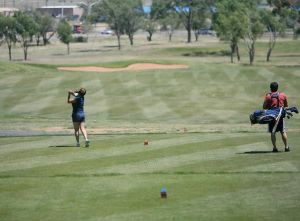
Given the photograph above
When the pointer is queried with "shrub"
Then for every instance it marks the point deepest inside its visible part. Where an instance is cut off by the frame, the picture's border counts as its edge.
(79, 39)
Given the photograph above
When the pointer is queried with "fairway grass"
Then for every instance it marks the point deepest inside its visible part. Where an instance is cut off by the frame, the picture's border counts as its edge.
(208, 176)
(201, 98)
(202, 148)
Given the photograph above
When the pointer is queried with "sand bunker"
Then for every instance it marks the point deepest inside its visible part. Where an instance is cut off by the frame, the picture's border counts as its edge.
(132, 67)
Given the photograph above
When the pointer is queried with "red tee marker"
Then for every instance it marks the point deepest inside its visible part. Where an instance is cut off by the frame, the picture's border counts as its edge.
(146, 142)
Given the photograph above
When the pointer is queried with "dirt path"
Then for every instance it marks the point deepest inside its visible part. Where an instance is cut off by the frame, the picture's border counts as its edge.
(133, 67)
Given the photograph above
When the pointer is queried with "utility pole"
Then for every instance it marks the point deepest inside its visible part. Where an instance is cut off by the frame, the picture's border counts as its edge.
(62, 8)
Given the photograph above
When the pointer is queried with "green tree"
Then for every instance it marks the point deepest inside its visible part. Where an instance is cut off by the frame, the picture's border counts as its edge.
(239, 19)
(170, 22)
(26, 28)
(297, 33)
(1, 32)
(199, 22)
(287, 10)
(230, 23)
(112, 11)
(254, 29)
(64, 31)
(122, 16)
(133, 13)
(8, 32)
(279, 5)
(275, 27)
(46, 24)
(150, 27)
(167, 18)
(186, 10)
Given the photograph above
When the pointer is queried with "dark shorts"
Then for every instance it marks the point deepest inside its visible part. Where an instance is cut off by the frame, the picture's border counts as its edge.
(280, 126)
(78, 117)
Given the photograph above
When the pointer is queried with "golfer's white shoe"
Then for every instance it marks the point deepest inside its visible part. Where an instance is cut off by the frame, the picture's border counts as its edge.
(77, 144)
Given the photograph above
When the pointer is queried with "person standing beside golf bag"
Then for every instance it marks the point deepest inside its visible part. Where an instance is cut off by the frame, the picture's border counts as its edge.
(78, 115)
(276, 99)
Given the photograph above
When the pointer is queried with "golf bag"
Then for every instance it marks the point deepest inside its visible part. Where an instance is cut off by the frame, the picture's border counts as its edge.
(272, 115)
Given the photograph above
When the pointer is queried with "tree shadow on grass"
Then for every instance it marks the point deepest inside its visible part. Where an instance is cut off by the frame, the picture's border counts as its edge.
(207, 53)
(58, 54)
(93, 50)
(110, 46)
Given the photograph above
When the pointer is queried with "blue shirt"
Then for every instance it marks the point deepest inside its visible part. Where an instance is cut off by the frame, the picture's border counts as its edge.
(78, 105)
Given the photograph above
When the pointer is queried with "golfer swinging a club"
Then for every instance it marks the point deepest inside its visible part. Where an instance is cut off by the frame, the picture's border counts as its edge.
(78, 115)
(276, 99)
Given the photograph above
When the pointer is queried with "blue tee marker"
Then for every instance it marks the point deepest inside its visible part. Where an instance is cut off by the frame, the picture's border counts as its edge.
(163, 192)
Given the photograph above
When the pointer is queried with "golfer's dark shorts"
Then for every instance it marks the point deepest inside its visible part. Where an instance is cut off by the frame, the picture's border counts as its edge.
(78, 117)
(280, 126)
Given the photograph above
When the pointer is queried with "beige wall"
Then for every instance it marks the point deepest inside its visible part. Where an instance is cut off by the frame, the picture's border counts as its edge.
(8, 11)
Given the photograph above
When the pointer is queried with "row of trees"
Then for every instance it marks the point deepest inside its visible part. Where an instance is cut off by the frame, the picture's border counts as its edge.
(233, 20)
(23, 27)
(237, 20)
(126, 17)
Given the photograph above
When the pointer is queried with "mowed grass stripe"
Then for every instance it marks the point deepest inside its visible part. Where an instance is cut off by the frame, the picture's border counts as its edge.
(245, 201)
(118, 156)
(30, 161)
(142, 102)
(134, 196)
(8, 82)
(29, 144)
(281, 166)
(36, 104)
(142, 96)
(35, 95)
(106, 145)
(167, 162)
(246, 165)
(121, 100)
(96, 101)
(155, 160)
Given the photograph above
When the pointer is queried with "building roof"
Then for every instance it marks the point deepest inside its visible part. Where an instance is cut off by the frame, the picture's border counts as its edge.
(60, 6)
(8, 9)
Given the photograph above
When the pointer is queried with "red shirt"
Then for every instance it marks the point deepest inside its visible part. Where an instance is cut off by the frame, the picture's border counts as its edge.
(275, 99)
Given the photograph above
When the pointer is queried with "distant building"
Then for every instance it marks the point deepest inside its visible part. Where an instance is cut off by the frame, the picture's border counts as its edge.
(62, 11)
(8, 11)
(147, 2)
(265, 6)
